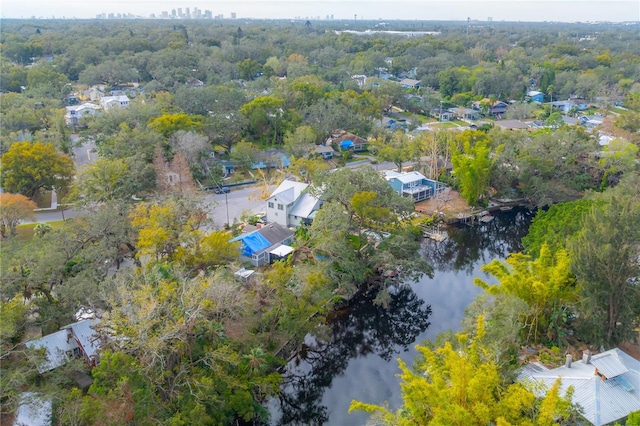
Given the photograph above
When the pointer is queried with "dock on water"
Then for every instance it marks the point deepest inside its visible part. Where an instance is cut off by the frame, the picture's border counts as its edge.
(434, 233)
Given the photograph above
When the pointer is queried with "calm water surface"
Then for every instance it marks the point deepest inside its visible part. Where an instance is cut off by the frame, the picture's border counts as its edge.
(358, 359)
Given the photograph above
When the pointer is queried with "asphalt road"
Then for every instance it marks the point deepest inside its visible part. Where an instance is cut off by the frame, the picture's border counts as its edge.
(221, 208)
(54, 216)
(85, 153)
(234, 204)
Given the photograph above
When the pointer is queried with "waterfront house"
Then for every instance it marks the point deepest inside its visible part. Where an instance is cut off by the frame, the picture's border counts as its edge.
(606, 386)
(413, 184)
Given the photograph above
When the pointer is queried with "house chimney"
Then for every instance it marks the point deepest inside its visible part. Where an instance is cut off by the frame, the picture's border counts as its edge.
(586, 357)
(567, 363)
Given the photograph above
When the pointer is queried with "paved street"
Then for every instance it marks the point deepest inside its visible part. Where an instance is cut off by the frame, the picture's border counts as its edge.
(238, 201)
(221, 208)
(85, 153)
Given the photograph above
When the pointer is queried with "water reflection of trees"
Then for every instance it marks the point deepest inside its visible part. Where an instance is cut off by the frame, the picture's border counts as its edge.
(468, 245)
(359, 330)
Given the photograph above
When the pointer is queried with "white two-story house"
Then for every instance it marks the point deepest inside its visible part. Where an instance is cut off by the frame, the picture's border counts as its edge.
(290, 204)
(76, 113)
(110, 102)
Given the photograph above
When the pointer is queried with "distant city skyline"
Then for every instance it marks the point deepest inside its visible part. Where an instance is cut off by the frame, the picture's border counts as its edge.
(456, 10)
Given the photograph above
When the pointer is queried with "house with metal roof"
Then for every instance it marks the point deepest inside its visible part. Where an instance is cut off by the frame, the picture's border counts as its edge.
(606, 386)
(410, 83)
(265, 245)
(413, 184)
(77, 339)
(110, 102)
(326, 152)
(76, 113)
(290, 204)
(571, 103)
(535, 96)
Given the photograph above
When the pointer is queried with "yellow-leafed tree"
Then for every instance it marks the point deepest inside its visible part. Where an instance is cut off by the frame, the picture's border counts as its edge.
(545, 284)
(460, 384)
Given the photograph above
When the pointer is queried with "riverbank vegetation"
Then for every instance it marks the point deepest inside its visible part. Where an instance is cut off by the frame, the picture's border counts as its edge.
(185, 341)
(573, 289)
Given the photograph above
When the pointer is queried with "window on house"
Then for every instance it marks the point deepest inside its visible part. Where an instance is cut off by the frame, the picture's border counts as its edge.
(280, 207)
(270, 205)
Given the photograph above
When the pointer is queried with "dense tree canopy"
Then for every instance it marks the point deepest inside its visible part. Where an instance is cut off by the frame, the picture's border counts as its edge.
(190, 344)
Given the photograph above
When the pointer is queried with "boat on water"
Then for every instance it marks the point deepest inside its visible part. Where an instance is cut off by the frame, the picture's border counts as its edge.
(436, 236)
(486, 218)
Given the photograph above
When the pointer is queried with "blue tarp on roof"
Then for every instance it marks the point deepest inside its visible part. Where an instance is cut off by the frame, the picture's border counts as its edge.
(252, 243)
(346, 144)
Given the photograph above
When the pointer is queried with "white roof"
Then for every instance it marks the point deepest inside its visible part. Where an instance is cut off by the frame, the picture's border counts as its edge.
(33, 411)
(244, 273)
(533, 93)
(55, 346)
(58, 344)
(282, 250)
(304, 206)
(603, 400)
(121, 98)
(289, 190)
(404, 177)
(605, 139)
(83, 107)
(86, 335)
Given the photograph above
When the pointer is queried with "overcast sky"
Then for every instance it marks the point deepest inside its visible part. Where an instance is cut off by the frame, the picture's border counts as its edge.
(508, 10)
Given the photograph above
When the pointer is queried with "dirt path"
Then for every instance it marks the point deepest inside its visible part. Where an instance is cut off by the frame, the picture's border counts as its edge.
(448, 201)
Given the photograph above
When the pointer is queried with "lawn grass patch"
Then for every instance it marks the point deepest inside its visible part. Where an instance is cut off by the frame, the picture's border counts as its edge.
(26, 231)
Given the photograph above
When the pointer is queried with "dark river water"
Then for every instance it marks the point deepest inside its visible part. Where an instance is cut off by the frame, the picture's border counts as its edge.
(358, 359)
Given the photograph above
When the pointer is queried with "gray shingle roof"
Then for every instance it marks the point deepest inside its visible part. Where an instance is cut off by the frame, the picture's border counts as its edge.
(275, 233)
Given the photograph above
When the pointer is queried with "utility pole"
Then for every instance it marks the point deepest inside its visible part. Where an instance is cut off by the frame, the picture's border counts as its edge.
(226, 201)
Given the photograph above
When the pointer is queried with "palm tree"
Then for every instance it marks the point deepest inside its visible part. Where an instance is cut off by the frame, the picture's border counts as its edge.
(256, 360)
(550, 90)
